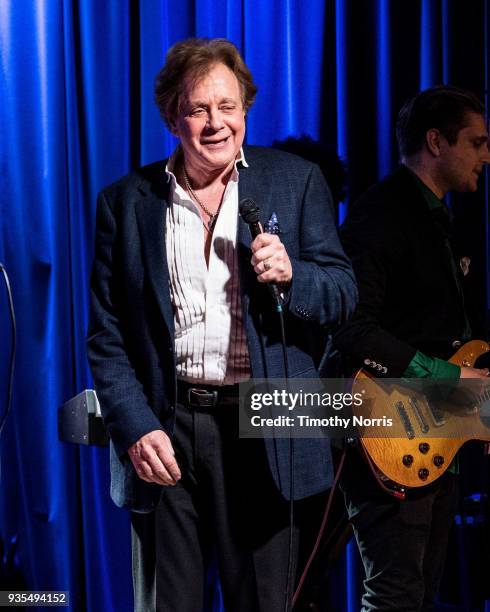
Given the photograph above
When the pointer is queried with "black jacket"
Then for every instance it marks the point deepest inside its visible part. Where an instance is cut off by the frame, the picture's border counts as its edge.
(409, 298)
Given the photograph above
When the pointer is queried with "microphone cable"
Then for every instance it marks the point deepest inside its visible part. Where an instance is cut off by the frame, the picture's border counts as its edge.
(290, 568)
(249, 212)
(13, 349)
(290, 577)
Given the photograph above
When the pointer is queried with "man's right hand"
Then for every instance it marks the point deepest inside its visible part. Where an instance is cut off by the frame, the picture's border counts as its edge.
(479, 375)
(153, 458)
(474, 372)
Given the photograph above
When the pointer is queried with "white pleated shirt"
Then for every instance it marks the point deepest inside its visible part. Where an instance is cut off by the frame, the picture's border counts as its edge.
(210, 341)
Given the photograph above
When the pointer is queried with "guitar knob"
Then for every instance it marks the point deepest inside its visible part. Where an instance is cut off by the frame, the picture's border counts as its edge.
(407, 460)
(438, 460)
(424, 447)
(423, 473)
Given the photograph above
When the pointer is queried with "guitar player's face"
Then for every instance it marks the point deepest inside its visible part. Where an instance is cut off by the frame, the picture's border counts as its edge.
(462, 162)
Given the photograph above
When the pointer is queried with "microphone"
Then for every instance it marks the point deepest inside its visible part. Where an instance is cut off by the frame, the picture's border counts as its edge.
(249, 212)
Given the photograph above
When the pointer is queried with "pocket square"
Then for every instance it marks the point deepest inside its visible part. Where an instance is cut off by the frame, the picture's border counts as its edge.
(272, 226)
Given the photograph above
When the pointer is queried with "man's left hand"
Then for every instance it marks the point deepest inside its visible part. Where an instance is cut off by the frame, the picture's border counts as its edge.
(270, 260)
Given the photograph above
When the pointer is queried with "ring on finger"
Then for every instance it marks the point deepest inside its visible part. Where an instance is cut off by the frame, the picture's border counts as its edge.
(267, 265)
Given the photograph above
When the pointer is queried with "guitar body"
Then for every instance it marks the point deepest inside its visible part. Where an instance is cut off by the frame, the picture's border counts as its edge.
(406, 454)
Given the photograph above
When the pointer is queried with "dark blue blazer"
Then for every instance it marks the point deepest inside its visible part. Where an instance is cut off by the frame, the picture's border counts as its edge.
(131, 347)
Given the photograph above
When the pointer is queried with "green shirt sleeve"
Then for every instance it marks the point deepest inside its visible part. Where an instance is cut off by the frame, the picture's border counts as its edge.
(423, 366)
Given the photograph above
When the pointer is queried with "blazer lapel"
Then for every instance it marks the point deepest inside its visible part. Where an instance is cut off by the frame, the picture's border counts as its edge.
(151, 214)
(439, 220)
(254, 184)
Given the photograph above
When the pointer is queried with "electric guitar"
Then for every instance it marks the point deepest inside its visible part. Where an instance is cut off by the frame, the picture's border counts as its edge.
(423, 439)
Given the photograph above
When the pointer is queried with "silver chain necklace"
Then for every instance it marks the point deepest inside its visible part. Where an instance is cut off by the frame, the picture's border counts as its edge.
(212, 218)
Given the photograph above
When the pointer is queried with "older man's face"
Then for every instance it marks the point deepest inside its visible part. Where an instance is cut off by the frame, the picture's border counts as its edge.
(211, 122)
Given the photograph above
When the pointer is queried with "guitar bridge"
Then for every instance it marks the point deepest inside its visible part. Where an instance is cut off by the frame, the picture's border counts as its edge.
(435, 413)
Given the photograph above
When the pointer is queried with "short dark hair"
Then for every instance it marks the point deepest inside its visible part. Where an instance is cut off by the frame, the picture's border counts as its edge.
(194, 57)
(444, 108)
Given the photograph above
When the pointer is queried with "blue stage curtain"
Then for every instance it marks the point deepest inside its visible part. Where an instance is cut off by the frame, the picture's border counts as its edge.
(77, 112)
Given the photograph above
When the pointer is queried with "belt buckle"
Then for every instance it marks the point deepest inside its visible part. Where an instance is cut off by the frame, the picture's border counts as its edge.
(202, 397)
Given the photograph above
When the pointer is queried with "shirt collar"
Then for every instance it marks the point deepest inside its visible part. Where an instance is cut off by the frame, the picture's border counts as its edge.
(430, 197)
(169, 168)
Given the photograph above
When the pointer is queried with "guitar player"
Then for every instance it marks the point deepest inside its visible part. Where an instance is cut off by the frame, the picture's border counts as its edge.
(410, 319)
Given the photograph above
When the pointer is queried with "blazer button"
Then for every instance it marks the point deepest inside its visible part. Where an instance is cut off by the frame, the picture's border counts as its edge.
(456, 344)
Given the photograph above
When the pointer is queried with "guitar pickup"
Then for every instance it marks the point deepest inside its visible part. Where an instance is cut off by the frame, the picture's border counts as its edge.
(424, 426)
(405, 419)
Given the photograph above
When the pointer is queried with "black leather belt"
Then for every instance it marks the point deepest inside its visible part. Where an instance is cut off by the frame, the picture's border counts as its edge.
(206, 396)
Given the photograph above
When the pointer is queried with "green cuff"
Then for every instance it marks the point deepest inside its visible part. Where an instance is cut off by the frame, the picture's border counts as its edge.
(423, 366)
